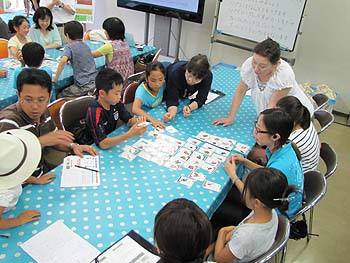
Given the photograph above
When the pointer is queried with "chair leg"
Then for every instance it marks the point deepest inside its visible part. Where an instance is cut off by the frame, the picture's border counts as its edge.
(283, 254)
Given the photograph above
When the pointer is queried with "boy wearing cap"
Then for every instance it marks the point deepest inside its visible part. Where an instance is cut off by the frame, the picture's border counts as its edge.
(20, 154)
(30, 113)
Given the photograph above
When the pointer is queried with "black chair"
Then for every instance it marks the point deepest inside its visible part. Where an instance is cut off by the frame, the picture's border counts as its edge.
(321, 100)
(330, 158)
(280, 243)
(74, 111)
(315, 188)
(324, 119)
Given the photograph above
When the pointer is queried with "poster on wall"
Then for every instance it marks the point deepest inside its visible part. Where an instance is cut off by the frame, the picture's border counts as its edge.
(85, 11)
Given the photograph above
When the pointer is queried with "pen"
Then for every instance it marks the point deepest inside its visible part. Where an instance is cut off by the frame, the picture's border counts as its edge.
(87, 168)
(5, 235)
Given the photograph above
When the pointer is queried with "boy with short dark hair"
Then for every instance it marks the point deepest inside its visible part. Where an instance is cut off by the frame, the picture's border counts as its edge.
(106, 109)
(79, 55)
(33, 56)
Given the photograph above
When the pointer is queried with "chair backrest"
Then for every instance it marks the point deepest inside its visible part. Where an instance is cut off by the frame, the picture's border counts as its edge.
(135, 77)
(321, 100)
(280, 242)
(129, 93)
(4, 52)
(315, 188)
(87, 35)
(330, 158)
(156, 56)
(54, 109)
(324, 118)
(73, 111)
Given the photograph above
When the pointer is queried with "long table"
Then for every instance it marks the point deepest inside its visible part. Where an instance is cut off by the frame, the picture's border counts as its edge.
(8, 94)
(131, 193)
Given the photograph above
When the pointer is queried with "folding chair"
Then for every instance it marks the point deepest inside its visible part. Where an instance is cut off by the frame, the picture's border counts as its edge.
(280, 243)
(54, 109)
(321, 100)
(315, 188)
(129, 93)
(156, 56)
(330, 158)
(324, 119)
(4, 52)
(135, 77)
(73, 114)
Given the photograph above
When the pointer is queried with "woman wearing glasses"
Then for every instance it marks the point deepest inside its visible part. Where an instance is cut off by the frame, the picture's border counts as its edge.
(269, 77)
(183, 79)
(272, 130)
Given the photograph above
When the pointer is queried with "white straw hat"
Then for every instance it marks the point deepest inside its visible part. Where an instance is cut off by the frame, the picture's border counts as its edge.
(20, 154)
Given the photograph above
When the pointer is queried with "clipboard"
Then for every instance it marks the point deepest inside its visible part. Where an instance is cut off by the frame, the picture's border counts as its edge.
(142, 250)
(213, 95)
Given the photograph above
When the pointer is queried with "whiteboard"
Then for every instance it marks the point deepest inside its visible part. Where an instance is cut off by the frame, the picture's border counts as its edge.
(256, 20)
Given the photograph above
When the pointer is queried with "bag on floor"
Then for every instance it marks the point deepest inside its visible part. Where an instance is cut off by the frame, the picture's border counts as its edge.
(298, 229)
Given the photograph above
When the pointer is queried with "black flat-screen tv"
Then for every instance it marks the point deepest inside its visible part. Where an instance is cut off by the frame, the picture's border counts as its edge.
(190, 10)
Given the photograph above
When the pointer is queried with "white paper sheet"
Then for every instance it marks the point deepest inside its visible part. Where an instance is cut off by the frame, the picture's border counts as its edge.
(127, 250)
(57, 244)
(73, 176)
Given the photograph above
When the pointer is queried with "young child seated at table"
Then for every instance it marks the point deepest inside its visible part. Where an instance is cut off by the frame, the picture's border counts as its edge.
(182, 232)
(264, 190)
(79, 55)
(33, 56)
(19, 25)
(149, 93)
(117, 52)
(106, 109)
(20, 154)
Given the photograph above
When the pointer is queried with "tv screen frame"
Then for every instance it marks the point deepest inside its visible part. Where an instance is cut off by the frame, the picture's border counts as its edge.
(165, 11)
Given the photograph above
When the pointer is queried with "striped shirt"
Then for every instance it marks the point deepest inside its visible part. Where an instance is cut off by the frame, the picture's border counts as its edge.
(309, 147)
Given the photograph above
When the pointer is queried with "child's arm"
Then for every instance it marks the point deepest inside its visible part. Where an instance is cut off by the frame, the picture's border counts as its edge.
(63, 62)
(222, 252)
(25, 217)
(13, 51)
(134, 131)
(96, 54)
(137, 110)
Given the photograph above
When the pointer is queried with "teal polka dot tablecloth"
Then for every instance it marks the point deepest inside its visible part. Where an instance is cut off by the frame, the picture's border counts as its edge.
(131, 193)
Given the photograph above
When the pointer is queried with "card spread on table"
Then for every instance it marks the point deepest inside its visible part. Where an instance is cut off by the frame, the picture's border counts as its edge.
(185, 181)
(211, 186)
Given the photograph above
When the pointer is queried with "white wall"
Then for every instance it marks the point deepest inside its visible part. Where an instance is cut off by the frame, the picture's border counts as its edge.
(321, 52)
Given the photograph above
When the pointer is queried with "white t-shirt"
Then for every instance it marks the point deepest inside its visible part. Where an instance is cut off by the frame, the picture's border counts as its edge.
(309, 147)
(251, 240)
(9, 197)
(60, 16)
(283, 78)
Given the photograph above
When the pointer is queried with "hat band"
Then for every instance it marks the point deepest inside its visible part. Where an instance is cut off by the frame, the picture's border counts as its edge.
(20, 164)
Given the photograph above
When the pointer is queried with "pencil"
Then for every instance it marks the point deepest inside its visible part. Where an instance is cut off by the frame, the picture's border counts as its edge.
(87, 168)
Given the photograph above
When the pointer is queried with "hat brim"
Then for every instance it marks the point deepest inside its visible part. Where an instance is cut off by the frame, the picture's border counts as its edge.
(30, 164)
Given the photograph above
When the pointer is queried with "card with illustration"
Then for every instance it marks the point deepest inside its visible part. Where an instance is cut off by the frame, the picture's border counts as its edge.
(211, 186)
(222, 152)
(128, 155)
(242, 148)
(197, 176)
(171, 129)
(203, 136)
(185, 181)
(128, 148)
(141, 143)
(190, 146)
(194, 141)
(208, 167)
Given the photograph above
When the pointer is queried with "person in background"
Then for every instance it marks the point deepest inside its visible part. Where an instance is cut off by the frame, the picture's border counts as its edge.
(43, 31)
(33, 56)
(106, 109)
(117, 51)
(4, 30)
(20, 26)
(272, 130)
(30, 113)
(79, 55)
(34, 5)
(263, 190)
(20, 154)
(62, 12)
(183, 79)
(182, 232)
(269, 78)
(304, 134)
(149, 93)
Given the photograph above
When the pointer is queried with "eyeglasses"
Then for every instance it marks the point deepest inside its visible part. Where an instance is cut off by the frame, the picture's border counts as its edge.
(30, 101)
(258, 130)
(190, 78)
